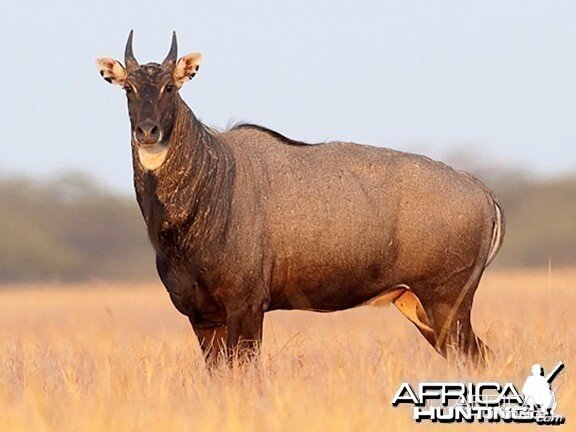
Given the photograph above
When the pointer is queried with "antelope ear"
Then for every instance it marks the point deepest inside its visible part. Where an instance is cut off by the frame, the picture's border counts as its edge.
(111, 70)
(186, 68)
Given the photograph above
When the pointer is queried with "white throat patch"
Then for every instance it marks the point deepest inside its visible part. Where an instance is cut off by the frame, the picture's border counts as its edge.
(152, 157)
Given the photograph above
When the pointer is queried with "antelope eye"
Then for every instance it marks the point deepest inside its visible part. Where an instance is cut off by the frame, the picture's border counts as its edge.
(128, 89)
(169, 87)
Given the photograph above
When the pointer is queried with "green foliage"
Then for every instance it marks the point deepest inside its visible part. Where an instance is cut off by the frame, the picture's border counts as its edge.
(541, 222)
(70, 229)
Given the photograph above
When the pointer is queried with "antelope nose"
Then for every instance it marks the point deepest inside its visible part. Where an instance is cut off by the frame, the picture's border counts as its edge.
(147, 132)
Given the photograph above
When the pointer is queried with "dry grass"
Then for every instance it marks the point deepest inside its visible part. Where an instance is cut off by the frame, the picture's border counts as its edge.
(110, 357)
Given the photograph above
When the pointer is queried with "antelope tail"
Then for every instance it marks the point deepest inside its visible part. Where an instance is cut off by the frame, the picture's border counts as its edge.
(497, 233)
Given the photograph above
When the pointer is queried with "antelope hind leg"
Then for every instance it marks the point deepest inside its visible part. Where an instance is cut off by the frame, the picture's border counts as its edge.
(410, 306)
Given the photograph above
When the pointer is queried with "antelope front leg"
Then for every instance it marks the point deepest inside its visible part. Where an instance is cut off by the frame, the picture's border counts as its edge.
(245, 332)
(212, 342)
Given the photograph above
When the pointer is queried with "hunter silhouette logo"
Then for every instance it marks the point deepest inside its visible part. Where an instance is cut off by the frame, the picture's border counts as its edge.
(453, 402)
(537, 389)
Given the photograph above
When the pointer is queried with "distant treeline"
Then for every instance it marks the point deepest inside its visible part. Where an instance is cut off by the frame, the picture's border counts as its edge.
(70, 229)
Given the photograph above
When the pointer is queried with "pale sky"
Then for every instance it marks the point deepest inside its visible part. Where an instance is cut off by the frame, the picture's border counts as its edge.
(497, 78)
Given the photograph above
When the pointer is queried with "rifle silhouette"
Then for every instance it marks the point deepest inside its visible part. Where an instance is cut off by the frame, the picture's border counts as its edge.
(550, 377)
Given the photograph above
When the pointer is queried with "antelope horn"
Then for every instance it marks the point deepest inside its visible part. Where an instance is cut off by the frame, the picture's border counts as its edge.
(173, 53)
(129, 59)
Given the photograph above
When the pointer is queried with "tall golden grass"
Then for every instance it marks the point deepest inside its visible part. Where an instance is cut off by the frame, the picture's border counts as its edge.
(120, 358)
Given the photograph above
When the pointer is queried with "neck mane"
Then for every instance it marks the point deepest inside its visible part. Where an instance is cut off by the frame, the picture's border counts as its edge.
(187, 200)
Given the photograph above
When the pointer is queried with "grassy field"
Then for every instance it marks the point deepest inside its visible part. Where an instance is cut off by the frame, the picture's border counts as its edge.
(119, 357)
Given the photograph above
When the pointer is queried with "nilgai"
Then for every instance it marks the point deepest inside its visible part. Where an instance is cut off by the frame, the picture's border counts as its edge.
(247, 221)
